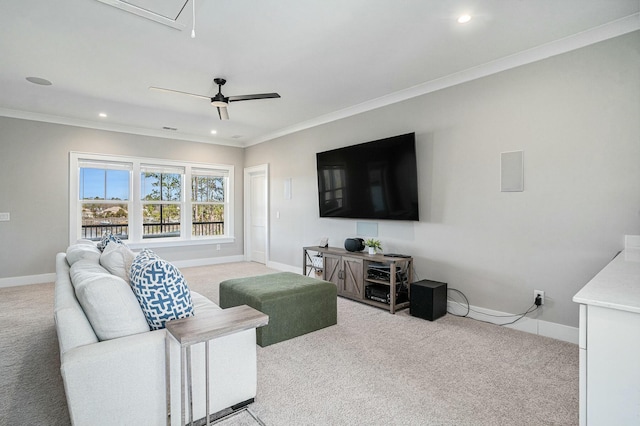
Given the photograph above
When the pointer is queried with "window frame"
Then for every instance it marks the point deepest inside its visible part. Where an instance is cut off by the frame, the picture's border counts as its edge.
(135, 231)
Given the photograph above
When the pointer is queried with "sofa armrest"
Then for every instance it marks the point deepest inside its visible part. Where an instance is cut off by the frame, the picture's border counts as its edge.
(115, 379)
(122, 381)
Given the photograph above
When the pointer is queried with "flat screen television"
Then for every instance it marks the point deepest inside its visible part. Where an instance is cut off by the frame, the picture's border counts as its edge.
(373, 180)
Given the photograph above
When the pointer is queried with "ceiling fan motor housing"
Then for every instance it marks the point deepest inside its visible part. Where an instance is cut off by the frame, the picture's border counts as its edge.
(219, 100)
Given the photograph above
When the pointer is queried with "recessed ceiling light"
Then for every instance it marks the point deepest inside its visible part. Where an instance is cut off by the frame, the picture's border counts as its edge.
(463, 19)
(103, 115)
(213, 132)
(38, 80)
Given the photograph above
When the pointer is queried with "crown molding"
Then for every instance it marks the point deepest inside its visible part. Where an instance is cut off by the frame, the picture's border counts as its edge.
(88, 124)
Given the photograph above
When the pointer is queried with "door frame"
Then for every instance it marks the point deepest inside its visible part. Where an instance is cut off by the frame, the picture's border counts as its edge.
(259, 170)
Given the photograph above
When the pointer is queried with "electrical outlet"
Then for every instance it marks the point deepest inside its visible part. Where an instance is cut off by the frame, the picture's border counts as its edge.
(5, 216)
(537, 293)
(217, 246)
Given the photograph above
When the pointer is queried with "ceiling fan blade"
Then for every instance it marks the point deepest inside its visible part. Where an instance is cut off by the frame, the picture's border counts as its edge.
(161, 89)
(251, 97)
(223, 113)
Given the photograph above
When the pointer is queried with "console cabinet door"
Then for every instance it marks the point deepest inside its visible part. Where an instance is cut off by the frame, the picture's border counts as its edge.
(332, 269)
(352, 277)
(346, 274)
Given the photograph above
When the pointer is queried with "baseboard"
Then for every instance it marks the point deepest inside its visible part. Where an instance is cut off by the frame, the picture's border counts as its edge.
(526, 324)
(284, 267)
(207, 261)
(27, 280)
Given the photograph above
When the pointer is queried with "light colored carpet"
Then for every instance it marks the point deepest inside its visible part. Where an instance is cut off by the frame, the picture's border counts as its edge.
(371, 368)
(31, 390)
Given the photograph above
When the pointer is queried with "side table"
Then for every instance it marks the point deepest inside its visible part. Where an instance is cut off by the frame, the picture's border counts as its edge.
(198, 329)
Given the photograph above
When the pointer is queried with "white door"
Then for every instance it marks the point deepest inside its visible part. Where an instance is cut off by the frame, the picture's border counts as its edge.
(256, 213)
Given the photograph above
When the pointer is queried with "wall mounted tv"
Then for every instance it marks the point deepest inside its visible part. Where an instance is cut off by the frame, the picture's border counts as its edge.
(373, 180)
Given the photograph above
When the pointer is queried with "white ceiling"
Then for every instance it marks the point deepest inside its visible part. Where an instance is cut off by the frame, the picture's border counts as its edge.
(328, 59)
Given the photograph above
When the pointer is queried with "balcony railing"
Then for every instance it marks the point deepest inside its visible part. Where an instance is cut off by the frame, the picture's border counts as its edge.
(151, 230)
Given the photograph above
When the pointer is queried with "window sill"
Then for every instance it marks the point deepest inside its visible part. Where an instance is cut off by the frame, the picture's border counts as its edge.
(170, 242)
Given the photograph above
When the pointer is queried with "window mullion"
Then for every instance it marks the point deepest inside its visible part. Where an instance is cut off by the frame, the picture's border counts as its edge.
(135, 218)
(187, 204)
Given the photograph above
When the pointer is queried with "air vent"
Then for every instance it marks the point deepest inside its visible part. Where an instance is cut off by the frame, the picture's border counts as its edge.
(38, 80)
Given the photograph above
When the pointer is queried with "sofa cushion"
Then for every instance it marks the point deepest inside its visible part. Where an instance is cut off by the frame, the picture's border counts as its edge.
(107, 301)
(80, 269)
(117, 259)
(161, 289)
(82, 250)
(202, 305)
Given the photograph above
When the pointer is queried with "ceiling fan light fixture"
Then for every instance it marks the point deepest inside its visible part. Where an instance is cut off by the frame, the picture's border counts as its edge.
(219, 103)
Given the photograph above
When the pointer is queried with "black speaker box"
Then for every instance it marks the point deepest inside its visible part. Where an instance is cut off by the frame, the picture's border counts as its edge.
(428, 299)
(354, 244)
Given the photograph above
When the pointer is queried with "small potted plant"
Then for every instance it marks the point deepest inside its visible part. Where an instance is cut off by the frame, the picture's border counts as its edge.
(374, 245)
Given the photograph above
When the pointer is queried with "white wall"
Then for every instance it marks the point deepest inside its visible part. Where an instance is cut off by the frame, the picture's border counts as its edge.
(575, 116)
(34, 176)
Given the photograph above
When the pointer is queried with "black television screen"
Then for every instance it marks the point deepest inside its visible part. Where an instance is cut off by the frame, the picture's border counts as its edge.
(373, 180)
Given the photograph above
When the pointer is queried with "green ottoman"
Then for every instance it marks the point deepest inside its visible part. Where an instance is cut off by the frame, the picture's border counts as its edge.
(296, 304)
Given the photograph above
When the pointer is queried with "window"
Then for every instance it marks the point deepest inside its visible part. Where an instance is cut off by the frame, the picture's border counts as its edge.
(104, 198)
(160, 197)
(150, 201)
(208, 201)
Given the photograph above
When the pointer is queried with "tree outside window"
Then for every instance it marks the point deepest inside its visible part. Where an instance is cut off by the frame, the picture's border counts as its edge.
(208, 198)
(161, 194)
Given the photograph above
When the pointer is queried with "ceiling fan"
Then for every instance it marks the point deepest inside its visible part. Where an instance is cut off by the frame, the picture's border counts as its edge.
(219, 100)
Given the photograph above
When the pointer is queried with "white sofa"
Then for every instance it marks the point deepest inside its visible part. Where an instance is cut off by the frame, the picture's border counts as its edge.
(121, 380)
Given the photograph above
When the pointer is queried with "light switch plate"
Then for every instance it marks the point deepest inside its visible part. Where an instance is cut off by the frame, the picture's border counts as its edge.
(5, 217)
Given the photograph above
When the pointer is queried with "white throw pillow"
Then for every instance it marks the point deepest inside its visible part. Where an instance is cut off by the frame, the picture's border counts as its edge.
(117, 259)
(81, 251)
(108, 302)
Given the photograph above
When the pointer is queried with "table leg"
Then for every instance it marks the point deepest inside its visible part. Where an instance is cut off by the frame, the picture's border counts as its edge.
(206, 355)
(190, 385)
(167, 370)
(183, 368)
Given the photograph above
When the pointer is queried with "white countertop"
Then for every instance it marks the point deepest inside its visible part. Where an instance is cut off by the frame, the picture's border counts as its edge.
(617, 285)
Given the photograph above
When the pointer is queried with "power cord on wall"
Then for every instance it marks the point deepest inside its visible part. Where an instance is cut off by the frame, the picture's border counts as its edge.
(532, 308)
(519, 316)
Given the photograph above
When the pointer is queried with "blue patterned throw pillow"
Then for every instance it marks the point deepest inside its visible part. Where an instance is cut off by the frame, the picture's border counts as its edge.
(107, 238)
(160, 288)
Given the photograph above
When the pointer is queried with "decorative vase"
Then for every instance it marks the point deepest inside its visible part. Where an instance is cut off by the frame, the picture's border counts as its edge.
(372, 250)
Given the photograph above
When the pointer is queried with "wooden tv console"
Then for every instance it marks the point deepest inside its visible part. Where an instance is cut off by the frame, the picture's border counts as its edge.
(353, 272)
